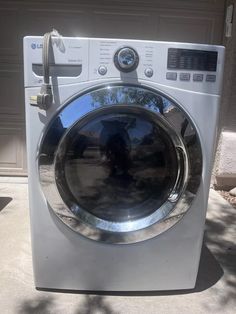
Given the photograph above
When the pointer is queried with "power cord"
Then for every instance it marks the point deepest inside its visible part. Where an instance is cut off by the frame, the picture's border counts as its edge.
(44, 99)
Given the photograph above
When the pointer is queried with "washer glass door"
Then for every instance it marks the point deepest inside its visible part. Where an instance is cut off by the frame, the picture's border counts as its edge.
(119, 159)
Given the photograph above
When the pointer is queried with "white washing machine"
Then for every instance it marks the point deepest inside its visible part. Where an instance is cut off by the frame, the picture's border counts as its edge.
(120, 162)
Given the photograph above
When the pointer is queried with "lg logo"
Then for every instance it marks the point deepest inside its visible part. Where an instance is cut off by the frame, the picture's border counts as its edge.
(34, 46)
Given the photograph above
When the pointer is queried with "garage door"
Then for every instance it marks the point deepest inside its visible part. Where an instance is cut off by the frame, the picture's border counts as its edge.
(175, 20)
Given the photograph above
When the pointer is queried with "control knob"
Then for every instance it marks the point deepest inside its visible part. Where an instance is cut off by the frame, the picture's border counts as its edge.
(126, 59)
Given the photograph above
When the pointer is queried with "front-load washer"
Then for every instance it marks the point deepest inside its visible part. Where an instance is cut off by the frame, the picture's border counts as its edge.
(120, 162)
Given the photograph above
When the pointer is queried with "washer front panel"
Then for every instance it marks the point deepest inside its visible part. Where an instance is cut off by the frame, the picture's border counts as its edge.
(120, 163)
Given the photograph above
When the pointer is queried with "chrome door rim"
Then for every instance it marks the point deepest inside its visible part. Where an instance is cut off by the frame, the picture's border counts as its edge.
(96, 228)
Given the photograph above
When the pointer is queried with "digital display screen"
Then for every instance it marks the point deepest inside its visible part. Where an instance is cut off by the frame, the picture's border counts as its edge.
(188, 59)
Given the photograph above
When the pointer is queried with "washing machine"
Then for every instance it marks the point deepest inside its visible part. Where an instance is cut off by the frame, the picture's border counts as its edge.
(120, 161)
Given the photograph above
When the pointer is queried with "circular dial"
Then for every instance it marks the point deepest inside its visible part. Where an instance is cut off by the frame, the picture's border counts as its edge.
(126, 59)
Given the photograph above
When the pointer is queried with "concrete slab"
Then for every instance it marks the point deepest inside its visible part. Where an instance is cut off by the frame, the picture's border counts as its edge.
(215, 291)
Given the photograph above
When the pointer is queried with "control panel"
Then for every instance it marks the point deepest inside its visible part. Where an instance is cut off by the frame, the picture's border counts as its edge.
(112, 58)
(189, 66)
(193, 67)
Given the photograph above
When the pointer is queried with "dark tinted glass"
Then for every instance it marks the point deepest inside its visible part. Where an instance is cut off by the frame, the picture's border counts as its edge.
(118, 166)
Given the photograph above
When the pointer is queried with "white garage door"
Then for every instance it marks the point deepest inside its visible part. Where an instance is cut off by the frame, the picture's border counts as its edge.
(176, 20)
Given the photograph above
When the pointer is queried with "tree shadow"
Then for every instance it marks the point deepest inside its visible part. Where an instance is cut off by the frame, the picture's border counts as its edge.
(37, 306)
(4, 201)
(220, 237)
(46, 305)
(95, 304)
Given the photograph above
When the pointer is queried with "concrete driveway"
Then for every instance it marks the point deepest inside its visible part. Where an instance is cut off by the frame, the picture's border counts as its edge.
(215, 291)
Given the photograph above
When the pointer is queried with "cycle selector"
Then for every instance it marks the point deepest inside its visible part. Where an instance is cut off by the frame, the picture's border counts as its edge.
(102, 70)
(126, 59)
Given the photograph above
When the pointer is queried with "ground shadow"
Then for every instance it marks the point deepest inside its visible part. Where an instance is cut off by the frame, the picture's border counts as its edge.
(37, 305)
(4, 201)
(209, 271)
(220, 237)
(95, 304)
(47, 305)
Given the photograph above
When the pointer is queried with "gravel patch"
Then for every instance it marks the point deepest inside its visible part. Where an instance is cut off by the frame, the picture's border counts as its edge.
(229, 198)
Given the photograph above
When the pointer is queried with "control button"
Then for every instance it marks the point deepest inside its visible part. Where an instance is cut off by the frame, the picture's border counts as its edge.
(171, 76)
(148, 72)
(184, 76)
(210, 78)
(197, 77)
(102, 70)
(126, 59)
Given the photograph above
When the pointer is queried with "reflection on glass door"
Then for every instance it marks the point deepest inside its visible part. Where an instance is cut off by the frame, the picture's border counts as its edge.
(119, 166)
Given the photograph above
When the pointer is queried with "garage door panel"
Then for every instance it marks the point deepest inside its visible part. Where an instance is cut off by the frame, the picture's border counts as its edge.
(124, 25)
(68, 23)
(9, 28)
(11, 90)
(183, 28)
(181, 4)
(12, 152)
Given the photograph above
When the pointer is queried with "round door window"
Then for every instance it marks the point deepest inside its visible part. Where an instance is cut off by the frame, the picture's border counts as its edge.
(116, 164)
